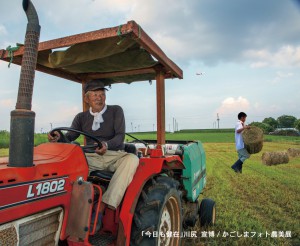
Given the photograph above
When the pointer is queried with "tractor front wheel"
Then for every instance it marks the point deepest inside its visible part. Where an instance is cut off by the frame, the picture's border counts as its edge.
(207, 212)
(158, 215)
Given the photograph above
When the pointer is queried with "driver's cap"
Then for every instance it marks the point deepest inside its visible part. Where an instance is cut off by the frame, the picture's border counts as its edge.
(94, 85)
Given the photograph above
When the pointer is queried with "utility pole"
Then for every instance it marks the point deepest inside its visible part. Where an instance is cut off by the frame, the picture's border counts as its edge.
(51, 126)
(131, 127)
(218, 119)
(173, 125)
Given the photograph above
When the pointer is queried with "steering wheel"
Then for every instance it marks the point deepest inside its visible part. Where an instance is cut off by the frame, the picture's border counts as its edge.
(86, 148)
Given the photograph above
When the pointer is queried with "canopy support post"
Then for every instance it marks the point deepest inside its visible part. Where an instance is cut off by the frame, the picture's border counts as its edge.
(160, 102)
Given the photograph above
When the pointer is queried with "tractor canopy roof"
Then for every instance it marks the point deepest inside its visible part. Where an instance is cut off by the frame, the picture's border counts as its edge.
(121, 54)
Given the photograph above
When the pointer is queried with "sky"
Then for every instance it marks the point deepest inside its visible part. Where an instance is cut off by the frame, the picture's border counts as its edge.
(247, 51)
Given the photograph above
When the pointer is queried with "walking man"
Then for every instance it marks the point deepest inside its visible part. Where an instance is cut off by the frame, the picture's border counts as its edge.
(239, 143)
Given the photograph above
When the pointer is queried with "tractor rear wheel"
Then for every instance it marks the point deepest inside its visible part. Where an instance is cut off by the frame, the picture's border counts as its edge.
(158, 216)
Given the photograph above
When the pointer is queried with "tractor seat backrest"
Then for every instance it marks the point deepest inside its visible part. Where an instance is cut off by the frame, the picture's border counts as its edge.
(130, 148)
(107, 175)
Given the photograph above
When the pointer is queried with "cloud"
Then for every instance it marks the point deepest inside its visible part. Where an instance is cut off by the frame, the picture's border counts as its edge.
(210, 31)
(280, 76)
(198, 35)
(232, 105)
(7, 103)
(3, 30)
(286, 56)
(57, 116)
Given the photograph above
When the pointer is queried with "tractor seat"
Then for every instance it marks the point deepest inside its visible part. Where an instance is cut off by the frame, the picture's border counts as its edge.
(102, 174)
(107, 175)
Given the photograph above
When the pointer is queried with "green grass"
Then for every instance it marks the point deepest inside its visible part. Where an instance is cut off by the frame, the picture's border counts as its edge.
(38, 139)
(263, 199)
(270, 138)
(213, 136)
(3, 152)
(4, 139)
(205, 137)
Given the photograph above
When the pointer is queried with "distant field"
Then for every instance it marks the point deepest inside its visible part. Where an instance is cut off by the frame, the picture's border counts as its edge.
(205, 136)
(212, 136)
(253, 208)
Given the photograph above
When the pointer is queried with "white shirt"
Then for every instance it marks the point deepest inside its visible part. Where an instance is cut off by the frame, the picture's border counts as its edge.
(239, 142)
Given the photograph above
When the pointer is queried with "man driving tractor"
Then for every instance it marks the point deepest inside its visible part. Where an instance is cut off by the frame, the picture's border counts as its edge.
(106, 123)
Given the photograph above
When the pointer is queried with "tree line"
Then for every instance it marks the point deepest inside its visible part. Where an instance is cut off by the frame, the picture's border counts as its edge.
(283, 125)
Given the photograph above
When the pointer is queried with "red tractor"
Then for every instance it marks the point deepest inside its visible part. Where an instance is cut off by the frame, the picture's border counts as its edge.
(47, 193)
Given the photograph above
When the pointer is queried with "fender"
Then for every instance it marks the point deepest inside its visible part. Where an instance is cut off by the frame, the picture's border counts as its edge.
(148, 167)
(47, 184)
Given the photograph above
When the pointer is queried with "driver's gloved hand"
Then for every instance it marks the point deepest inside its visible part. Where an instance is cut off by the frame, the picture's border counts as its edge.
(54, 137)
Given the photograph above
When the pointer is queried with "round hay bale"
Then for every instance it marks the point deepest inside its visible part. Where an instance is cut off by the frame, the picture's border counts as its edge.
(253, 139)
(274, 158)
(293, 152)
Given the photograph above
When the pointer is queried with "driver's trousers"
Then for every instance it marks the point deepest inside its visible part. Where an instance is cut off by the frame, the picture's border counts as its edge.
(123, 165)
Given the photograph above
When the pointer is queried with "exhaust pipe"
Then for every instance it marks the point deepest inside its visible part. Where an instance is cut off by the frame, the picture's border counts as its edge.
(22, 118)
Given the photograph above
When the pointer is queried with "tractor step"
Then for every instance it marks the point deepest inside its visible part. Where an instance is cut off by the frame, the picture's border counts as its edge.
(101, 239)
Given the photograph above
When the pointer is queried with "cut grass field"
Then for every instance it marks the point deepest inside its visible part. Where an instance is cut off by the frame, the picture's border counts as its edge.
(258, 204)
(253, 208)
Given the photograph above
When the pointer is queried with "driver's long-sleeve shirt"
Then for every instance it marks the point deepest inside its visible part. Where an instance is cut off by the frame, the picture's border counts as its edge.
(112, 130)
